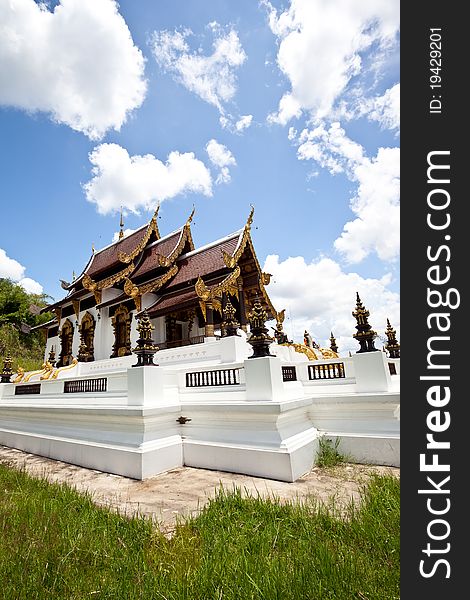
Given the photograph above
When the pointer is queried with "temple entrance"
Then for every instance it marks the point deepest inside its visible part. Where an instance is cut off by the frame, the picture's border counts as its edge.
(121, 323)
(87, 334)
(66, 341)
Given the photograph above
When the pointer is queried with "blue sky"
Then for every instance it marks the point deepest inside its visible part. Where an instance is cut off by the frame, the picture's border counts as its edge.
(290, 106)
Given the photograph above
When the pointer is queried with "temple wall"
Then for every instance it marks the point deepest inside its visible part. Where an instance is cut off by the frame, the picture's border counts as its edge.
(210, 406)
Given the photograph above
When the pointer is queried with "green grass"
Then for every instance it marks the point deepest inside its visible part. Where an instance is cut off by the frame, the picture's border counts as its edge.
(328, 453)
(54, 543)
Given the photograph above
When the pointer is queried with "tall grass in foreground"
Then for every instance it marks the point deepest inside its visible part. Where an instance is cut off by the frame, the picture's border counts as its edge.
(54, 543)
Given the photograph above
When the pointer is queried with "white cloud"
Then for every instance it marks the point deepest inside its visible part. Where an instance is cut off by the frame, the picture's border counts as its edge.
(211, 77)
(244, 122)
(233, 125)
(77, 63)
(330, 148)
(136, 182)
(376, 204)
(321, 47)
(319, 297)
(386, 109)
(221, 157)
(126, 232)
(12, 269)
(31, 286)
(376, 200)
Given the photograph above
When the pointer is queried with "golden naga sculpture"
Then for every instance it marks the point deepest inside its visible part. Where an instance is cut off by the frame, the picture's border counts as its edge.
(46, 367)
(60, 369)
(19, 375)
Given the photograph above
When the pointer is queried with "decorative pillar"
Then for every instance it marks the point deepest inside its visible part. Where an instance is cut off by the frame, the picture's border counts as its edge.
(333, 346)
(241, 300)
(230, 324)
(209, 328)
(7, 372)
(146, 348)
(392, 346)
(259, 339)
(365, 334)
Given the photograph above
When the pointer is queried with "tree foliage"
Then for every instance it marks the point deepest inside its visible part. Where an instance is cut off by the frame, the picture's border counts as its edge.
(19, 311)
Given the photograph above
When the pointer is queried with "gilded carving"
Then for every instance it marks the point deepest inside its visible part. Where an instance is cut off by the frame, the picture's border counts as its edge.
(152, 227)
(76, 307)
(121, 322)
(60, 369)
(19, 375)
(202, 290)
(48, 370)
(110, 281)
(156, 284)
(266, 278)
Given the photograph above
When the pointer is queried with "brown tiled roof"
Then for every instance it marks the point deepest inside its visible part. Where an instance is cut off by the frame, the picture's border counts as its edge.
(108, 257)
(167, 303)
(164, 247)
(203, 262)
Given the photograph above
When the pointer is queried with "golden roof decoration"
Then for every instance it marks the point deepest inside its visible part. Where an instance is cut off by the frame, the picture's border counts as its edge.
(97, 286)
(152, 227)
(266, 278)
(231, 260)
(136, 292)
(202, 290)
(186, 236)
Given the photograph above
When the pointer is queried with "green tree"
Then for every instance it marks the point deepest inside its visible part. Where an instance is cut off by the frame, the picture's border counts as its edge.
(19, 311)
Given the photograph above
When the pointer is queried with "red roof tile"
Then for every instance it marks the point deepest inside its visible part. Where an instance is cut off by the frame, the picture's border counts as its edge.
(203, 262)
(166, 303)
(163, 247)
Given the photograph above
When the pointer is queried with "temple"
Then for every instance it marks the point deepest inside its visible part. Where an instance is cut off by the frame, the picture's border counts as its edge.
(184, 290)
(160, 356)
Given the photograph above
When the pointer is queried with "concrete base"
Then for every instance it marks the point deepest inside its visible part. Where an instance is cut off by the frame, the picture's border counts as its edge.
(368, 449)
(280, 464)
(138, 463)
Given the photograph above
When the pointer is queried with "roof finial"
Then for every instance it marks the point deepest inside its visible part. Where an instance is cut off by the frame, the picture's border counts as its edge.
(121, 225)
(249, 221)
(73, 276)
(190, 218)
(93, 247)
(155, 214)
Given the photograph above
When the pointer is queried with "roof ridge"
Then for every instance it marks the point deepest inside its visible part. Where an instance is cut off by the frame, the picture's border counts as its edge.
(211, 244)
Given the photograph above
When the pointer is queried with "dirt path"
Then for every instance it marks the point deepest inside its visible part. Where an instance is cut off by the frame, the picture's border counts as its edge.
(183, 491)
